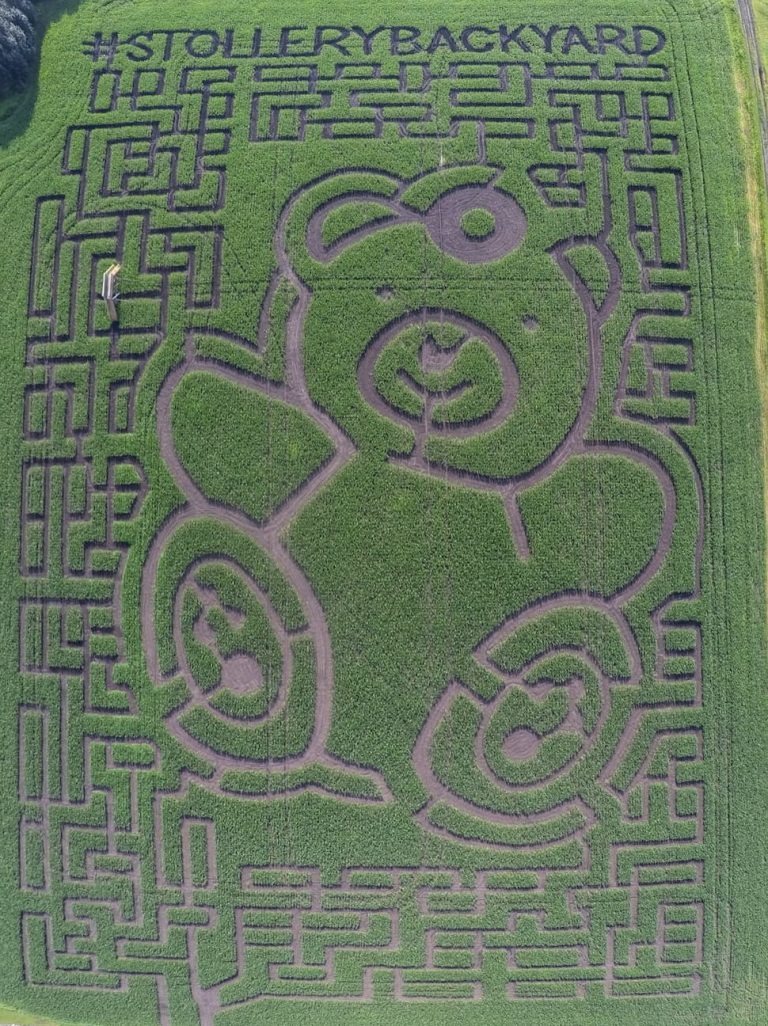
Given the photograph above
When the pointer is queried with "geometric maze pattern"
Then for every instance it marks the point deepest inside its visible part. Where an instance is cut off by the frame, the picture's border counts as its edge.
(148, 168)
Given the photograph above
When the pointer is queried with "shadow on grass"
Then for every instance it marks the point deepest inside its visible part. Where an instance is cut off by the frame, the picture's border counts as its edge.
(16, 109)
(16, 1018)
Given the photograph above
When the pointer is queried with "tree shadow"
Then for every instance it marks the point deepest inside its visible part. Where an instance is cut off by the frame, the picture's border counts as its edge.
(16, 109)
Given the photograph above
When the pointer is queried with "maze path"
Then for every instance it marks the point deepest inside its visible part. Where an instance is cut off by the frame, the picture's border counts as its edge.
(121, 882)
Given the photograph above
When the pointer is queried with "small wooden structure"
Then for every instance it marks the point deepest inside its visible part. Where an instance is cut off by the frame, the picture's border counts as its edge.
(108, 290)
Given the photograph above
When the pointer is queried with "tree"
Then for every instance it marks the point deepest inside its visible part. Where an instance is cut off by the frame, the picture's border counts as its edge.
(18, 43)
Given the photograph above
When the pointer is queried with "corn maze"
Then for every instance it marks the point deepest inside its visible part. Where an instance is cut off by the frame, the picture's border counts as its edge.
(387, 576)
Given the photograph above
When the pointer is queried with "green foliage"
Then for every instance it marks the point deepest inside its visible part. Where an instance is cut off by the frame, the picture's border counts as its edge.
(240, 448)
(18, 45)
(622, 497)
(478, 224)
(426, 192)
(589, 265)
(466, 387)
(438, 707)
(350, 217)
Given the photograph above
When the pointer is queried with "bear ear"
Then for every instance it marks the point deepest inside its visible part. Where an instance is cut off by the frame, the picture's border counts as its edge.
(591, 267)
(344, 220)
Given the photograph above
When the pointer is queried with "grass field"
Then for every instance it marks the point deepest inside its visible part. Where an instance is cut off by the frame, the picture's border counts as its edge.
(761, 17)
(383, 639)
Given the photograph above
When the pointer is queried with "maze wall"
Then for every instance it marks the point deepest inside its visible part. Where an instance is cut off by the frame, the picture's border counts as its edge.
(185, 668)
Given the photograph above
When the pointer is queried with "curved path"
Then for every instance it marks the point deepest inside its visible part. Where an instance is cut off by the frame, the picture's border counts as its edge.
(266, 536)
(747, 14)
(441, 221)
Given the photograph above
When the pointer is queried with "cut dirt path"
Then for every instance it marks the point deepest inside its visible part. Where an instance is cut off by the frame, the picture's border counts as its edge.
(753, 47)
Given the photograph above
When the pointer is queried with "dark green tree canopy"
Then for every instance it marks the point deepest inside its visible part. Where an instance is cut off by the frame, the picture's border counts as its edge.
(17, 43)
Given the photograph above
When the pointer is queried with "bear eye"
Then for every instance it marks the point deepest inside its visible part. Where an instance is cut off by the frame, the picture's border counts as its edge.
(476, 223)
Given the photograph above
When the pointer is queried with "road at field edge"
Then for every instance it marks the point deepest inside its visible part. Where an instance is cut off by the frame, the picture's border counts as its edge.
(750, 31)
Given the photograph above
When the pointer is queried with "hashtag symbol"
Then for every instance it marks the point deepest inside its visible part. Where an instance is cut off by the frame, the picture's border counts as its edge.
(100, 48)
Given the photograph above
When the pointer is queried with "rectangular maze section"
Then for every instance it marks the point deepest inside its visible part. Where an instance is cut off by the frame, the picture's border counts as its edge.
(384, 608)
